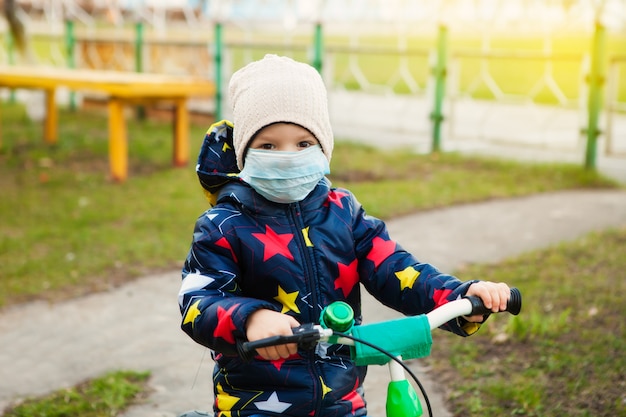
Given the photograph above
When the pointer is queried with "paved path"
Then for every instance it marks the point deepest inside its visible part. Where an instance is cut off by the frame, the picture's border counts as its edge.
(46, 347)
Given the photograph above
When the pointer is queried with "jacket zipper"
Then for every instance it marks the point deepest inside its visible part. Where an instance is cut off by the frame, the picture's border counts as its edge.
(310, 282)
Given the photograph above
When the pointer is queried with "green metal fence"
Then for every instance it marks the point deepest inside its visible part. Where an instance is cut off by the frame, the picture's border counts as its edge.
(216, 55)
(615, 107)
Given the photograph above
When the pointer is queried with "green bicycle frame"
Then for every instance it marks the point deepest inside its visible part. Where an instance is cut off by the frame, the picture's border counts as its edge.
(402, 400)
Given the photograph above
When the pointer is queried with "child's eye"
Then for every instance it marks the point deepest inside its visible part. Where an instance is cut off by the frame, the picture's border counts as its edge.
(305, 144)
(266, 146)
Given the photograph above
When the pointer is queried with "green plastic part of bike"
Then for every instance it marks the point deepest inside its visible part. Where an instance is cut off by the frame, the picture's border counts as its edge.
(402, 400)
(338, 316)
(408, 337)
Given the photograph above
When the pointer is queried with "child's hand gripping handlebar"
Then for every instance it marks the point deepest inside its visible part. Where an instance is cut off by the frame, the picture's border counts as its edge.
(416, 329)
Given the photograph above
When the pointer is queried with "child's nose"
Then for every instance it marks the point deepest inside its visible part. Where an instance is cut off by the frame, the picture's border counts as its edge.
(290, 148)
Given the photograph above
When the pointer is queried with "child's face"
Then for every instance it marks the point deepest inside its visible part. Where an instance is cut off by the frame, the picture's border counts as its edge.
(283, 137)
(284, 163)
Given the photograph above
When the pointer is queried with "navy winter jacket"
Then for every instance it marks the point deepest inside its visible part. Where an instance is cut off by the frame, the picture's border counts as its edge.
(249, 253)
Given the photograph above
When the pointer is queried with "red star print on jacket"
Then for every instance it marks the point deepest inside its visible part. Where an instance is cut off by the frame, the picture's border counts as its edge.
(223, 242)
(335, 197)
(275, 244)
(225, 325)
(348, 277)
(381, 249)
(441, 297)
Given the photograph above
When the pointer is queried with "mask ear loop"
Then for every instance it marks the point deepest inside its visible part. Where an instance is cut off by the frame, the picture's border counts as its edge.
(245, 150)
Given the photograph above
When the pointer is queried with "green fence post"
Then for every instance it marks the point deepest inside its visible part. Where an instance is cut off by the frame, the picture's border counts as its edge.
(141, 111)
(139, 47)
(594, 104)
(70, 42)
(217, 57)
(318, 47)
(439, 72)
(11, 53)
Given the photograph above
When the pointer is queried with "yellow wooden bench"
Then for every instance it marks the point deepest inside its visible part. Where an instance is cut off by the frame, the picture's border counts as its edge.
(120, 88)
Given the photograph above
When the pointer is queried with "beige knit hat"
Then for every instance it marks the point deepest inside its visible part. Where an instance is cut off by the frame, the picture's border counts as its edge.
(278, 89)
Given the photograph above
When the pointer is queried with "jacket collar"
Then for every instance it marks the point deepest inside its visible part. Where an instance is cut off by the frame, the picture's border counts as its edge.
(243, 195)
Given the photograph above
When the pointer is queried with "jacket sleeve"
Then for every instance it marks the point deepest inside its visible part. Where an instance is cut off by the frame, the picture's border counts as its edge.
(397, 279)
(213, 310)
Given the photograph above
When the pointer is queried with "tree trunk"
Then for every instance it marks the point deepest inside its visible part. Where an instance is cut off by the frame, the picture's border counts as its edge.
(16, 26)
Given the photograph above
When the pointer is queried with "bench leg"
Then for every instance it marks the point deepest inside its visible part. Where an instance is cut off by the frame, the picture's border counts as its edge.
(118, 142)
(51, 120)
(181, 133)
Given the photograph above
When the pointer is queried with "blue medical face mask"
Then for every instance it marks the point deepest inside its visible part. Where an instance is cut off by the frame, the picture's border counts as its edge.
(284, 177)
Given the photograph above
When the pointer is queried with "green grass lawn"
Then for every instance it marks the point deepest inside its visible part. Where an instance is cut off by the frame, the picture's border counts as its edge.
(564, 354)
(105, 396)
(67, 230)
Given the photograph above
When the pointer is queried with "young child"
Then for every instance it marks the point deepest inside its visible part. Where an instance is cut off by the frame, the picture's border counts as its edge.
(280, 244)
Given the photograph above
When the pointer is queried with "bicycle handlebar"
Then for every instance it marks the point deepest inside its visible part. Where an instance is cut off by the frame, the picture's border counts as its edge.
(308, 335)
(513, 305)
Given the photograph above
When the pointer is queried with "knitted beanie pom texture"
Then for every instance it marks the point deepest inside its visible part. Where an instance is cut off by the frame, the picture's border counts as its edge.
(278, 89)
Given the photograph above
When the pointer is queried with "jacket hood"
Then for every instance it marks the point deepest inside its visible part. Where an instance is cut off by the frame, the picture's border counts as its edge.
(217, 162)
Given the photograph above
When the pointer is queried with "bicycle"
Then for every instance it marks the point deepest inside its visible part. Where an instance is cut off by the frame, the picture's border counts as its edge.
(379, 344)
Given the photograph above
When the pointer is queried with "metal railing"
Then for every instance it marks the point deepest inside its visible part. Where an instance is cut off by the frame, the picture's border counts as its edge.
(433, 73)
(482, 85)
(615, 107)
